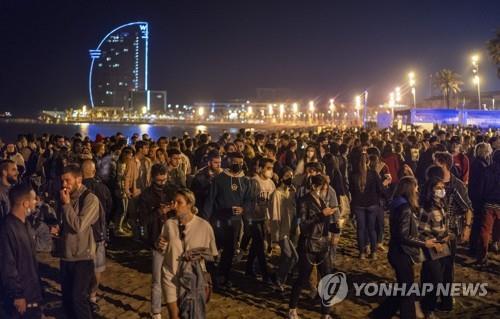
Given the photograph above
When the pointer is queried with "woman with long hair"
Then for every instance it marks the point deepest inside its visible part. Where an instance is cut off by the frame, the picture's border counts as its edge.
(161, 156)
(367, 189)
(183, 239)
(433, 224)
(310, 155)
(405, 249)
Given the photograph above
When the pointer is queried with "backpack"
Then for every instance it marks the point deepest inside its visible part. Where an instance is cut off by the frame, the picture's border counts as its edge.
(99, 227)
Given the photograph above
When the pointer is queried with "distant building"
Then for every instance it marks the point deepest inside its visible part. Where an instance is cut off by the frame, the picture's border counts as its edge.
(119, 66)
(466, 99)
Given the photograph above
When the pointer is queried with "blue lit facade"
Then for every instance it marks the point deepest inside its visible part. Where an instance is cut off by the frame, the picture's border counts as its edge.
(479, 118)
(119, 66)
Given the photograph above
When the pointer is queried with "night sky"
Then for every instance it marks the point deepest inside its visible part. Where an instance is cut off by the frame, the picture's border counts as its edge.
(217, 50)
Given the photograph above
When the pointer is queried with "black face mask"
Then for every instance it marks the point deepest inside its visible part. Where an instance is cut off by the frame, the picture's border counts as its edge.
(287, 182)
(236, 168)
(158, 186)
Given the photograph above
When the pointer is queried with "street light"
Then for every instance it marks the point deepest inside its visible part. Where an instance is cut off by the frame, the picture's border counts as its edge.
(475, 73)
(270, 109)
(201, 111)
(332, 108)
(282, 110)
(392, 102)
(411, 79)
(357, 104)
(311, 110)
(398, 94)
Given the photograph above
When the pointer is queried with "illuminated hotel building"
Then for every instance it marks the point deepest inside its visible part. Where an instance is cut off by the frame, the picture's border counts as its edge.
(119, 67)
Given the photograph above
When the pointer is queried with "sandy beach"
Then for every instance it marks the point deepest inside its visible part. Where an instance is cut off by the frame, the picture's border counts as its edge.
(125, 291)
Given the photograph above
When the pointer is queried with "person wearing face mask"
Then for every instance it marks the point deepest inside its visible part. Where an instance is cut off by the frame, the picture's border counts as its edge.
(20, 279)
(283, 214)
(230, 196)
(9, 175)
(78, 243)
(152, 208)
(314, 246)
(303, 181)
(310, 156)
(433, 225)
(257, 217)
(182, 239)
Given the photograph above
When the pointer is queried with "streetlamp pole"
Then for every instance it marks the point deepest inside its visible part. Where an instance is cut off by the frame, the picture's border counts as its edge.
(411, 78)
(365, 93)
(475, 72)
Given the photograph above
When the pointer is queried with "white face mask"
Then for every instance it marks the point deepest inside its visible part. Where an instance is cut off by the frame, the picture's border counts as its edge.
(440, 193)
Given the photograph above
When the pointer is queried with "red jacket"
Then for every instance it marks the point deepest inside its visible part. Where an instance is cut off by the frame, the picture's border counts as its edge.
(461, 167)
(393, 162)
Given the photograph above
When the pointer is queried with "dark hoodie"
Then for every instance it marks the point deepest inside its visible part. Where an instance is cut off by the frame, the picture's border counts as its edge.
(223, 196)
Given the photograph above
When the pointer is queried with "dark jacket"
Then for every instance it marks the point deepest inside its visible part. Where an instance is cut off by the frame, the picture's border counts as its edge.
(227, 191)
(19, 267)
(201, 188)
(477, 176)
(404, 230)
(4, 201)
(148, 211)
(312, 222)
(490, 188)
(373, 192)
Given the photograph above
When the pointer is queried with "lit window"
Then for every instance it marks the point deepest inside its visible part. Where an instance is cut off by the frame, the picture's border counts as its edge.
(125, 50)
(108, 59)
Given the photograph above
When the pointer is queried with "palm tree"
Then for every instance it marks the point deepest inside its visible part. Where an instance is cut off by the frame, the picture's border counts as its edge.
(494, 48)
(448, 82)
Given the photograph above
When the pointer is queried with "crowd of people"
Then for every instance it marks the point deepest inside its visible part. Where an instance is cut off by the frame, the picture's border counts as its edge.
(203, 205)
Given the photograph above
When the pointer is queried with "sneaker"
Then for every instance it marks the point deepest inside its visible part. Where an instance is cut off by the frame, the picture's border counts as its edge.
(373, 256)
(156, 316)
(362, 256)
(292, 314)
(380, 247)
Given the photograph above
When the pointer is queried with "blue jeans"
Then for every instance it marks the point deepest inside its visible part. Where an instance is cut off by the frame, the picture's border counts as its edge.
(365, 222)
(156, 296)
(379, 225)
